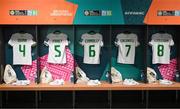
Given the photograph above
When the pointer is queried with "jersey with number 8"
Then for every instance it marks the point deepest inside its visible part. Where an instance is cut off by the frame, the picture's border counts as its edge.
(92, 46)
(127, 44)
(161, 43)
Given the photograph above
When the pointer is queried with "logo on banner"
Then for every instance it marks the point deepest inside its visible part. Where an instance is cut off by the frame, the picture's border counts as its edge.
(97, 13)
(23, 12)
(168, 13)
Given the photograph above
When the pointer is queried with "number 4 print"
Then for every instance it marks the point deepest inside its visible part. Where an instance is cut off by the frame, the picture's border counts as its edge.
(22, 48)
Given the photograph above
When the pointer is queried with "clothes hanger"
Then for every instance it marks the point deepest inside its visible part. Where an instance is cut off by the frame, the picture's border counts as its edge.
(57, 32)
(161, 31)
(91, 32)
(127, 32)
(22, 32)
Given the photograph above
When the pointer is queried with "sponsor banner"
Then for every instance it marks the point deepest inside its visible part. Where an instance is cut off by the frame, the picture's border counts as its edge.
(90, 12)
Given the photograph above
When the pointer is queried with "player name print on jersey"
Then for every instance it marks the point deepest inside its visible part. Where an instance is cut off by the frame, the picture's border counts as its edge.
(21, 43)
(161, 44)
(57, 44)
(127, 44)
(92, 46)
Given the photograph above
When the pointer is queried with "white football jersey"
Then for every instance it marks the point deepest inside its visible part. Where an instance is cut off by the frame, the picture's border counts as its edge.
(127, 44)
(161, 44)
(57, 48)
(21, 43)
(92, 47)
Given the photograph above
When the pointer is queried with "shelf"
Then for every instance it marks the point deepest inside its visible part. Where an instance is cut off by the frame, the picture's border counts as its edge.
(78, 87)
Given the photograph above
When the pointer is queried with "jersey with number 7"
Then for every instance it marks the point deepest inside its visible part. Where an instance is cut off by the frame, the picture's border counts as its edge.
(127, 44)
(92, 47)
(161, 44)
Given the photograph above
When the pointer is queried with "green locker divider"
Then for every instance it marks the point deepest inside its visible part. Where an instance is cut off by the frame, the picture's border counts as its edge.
(178, 55)
(1, 66)
(1, 55)
(37, 51)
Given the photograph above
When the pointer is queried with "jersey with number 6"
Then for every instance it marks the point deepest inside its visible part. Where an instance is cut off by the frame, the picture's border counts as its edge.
(127, 44)
(21, 43)
(92, 47)
(57, 44)
(161, 44)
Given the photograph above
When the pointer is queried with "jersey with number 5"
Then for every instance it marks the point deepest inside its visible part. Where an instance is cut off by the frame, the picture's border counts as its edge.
(161, 44)
(92, 47)
(127, 44)
(21, 43)
(57, 44)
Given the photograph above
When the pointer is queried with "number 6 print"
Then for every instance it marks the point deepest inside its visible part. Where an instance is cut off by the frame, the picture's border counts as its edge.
(92, 52)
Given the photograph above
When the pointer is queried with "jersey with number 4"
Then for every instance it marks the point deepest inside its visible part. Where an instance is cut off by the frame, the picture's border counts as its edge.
(92, 47)
(127, 44)
(161, 44)
(21, 43)
(57, 44)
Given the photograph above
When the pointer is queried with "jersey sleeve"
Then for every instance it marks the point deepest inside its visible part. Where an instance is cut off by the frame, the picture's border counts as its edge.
(66, 42)
(137, 43)
(117, 40)
(65, 36)
(100, 36)
(12, 40)
(49, 36)
(101, 40)
(31, 41)
(101, 43)
(136, 39)
(46, 42)
(171, 42)
(152, 40)
(82, 40)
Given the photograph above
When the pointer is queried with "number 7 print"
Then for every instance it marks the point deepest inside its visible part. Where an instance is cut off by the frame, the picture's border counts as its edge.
(129, 47)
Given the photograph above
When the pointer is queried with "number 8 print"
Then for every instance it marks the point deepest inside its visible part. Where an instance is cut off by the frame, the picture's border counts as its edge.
(160, 50)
